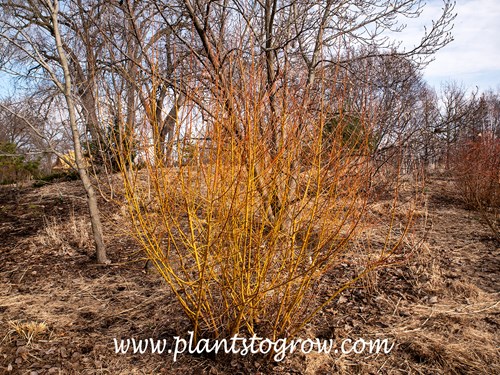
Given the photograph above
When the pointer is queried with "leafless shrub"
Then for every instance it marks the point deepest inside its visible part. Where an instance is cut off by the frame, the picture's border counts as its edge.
(476, 167)
(244, 233)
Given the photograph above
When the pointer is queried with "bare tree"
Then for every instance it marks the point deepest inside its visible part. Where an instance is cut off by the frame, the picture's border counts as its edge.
(141, 72)
(30, 29)
(458, 110)
(15, 115)
(293, 43)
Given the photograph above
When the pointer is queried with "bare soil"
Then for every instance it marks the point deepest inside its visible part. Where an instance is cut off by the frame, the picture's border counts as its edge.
(441, 308)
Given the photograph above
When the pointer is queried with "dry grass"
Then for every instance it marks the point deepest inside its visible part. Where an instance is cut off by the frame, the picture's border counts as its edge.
(28, 331)
(67, 236)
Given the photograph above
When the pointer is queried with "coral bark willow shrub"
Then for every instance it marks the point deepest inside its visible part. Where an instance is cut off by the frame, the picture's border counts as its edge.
(246, 230)
(273, 148)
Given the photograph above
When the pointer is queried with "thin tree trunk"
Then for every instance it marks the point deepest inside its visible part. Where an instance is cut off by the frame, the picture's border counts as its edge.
(168, 128)
(80, 162)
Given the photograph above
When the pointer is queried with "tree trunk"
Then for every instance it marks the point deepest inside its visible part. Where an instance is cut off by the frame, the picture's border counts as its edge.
(168, 128)
(80, 161)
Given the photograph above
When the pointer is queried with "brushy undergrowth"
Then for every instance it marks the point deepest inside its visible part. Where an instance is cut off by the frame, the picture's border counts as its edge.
(476, 168)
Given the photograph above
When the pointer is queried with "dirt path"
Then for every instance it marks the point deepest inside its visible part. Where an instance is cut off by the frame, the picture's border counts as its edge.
(466, 247)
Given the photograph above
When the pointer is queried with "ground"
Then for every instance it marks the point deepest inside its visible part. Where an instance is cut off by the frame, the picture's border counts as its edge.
(441, 307)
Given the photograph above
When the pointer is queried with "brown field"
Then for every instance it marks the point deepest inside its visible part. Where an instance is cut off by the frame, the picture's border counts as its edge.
(59, 311)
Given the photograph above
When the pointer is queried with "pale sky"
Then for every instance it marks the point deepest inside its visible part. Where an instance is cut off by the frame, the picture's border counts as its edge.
(472, 59)
(5, 89)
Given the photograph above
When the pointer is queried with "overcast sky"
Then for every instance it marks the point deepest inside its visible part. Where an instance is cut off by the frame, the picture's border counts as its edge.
(472, 59)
